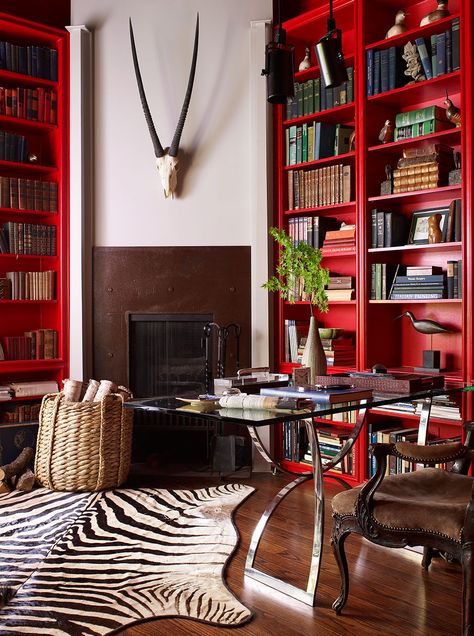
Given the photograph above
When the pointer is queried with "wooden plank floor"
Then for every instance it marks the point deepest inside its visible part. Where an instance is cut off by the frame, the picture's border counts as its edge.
(390, 594)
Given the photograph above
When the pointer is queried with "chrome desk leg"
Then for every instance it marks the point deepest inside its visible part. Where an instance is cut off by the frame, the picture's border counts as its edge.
(267, 456)
(305, 595)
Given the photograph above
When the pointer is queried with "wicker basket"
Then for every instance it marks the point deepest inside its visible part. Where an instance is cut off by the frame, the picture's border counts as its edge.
(83, 446)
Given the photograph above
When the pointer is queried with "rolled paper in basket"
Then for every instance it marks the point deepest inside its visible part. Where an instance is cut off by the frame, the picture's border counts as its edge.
(72, 390)
(91, 390)
(105, 387)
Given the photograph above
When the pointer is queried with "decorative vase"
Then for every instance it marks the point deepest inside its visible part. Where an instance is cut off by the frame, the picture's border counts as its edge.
(313, 354)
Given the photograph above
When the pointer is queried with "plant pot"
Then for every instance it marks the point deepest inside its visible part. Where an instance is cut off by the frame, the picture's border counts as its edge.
(313, 354)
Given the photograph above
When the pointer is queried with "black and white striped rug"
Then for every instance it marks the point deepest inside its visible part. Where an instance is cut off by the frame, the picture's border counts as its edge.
(91, 563)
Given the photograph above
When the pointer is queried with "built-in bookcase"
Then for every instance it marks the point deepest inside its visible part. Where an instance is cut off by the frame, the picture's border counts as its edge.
(33, 215)
(380, 95)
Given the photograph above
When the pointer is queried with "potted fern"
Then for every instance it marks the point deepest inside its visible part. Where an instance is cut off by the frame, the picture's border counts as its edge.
(299, 271)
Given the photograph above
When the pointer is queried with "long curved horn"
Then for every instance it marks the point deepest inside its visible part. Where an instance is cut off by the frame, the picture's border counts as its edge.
(159, 152)
(174, 147)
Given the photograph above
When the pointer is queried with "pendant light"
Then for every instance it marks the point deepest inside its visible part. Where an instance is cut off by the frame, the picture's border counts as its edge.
(330, 55)
(279, 66)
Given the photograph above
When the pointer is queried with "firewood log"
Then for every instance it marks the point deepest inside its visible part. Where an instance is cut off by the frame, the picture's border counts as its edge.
(17, 465)
(4, 487)
(25, 481)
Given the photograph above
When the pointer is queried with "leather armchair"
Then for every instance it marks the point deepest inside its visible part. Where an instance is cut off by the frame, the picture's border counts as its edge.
(428, 507)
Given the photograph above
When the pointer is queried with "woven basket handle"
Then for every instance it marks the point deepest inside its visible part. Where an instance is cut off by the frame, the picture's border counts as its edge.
(50, 431)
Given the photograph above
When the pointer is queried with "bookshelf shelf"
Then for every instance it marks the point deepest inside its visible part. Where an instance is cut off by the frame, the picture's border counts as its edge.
(26, 323)
(370, 324)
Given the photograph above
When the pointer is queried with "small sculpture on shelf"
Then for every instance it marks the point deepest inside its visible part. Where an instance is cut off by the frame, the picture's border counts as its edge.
(386, 187)
(434, 231)
(306, 61)
(412, 58)
(440, 12)
(385, 135)
(431, 357)
(453, 113)
(399, 26)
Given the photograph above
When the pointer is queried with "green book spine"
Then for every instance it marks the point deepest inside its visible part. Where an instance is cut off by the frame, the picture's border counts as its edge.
(434, 59)
(317, 95)
(310, 104)
(419, 115)
(304, 143)
(350, 84)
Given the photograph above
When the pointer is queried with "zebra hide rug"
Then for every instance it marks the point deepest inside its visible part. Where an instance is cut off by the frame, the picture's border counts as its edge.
(92, 563)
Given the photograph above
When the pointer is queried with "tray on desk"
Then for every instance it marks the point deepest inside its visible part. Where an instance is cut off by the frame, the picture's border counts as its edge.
(394, 382)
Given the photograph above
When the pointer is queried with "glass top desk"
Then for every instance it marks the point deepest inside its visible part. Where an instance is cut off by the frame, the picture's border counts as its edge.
(255, 419)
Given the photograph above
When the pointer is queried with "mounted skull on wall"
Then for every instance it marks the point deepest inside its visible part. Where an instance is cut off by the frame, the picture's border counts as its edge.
(166, 158)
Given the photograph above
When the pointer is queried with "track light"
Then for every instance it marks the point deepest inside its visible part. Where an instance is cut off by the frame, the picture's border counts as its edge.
(330, 55)
(279, 67)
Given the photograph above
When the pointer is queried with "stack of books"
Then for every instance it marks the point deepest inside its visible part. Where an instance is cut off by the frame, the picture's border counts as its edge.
(342, 240)
(331, 440)
(340, 288)
(5, 393)
(340, 352)
(423, 168)
(441, 406)
(419, 122)
(414, 286)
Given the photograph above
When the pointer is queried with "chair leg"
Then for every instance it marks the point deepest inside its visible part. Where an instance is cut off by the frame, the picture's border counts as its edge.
(338, 538)
(468, 589)
(427, 556)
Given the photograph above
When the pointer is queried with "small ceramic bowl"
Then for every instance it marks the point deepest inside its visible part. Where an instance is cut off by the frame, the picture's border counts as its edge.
(329, 332)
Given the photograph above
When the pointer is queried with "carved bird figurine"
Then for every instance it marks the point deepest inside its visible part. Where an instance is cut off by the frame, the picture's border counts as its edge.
(385, 135)
(440, 12)
(399, 26)
(425, 326)
(306, 61)
(453, 113)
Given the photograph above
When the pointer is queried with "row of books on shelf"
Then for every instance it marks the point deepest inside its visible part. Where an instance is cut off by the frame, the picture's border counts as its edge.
(28, 194)
(437, 56)
(23, 389)
(28, 285)
(398, 282)
(331, 441)
(35, 104)
(313, 96)
(37, 61)
(319, 231)
(13, 147)
(20, 413)
(28, 238)
(329, 185)
(318, 140)
(37, 344)
(389, 228)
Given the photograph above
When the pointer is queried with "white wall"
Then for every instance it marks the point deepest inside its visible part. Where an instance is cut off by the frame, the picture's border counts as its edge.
(214, 207)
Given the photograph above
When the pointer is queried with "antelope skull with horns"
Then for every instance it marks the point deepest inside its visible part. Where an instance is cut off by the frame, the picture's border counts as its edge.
(166, 158)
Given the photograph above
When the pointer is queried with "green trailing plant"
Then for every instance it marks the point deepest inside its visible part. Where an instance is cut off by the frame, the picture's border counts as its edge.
(299, 262)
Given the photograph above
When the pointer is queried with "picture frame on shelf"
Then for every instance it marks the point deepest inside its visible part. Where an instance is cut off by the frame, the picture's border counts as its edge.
(418, 234)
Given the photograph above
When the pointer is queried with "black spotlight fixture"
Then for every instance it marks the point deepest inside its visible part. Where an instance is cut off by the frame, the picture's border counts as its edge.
(330, 55)
(279, 66)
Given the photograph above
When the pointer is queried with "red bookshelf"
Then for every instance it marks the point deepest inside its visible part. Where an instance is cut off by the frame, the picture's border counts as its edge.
(377, 335)
(33, 56)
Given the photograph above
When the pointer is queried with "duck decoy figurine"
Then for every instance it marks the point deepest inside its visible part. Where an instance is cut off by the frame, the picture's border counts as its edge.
(440, 12)
(453, 113)
(399, 26)
(425, 325)
(306, 61)
(385, 135)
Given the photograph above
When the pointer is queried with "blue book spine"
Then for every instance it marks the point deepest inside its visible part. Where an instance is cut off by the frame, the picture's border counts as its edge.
(441, 53)
(424, 57)
(376, 77)
(455, 44)
(370, 72)
(383, 70)
(449, 52)
(434, 59)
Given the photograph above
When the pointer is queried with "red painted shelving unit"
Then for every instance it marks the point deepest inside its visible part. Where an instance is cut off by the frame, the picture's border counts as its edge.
(49, 143)
(378, 337)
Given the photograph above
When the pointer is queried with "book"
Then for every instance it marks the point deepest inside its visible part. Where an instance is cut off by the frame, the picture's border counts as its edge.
(322, 396)
(383, 71)
(395, 229)
(455, 44)
(339, 294)
(434, 60)
(324, 140)
(424, 57)
(342, 139)
(420, 114)
(38, 387)
(370, 72)
(441, 54)
(376, 73)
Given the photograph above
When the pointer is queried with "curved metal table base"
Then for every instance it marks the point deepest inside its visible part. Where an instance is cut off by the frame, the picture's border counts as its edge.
(307, 595)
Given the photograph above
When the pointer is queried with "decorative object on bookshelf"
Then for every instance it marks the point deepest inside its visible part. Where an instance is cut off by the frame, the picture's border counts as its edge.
(453, 113)
(386, 187)
(414, 68)
(386, 133)
(166, 159)
(424, 325)
(440, 12)
(330, 55)
(306, 61)
(301, 265)
(420, 226)
(279, 66)
(434, 230)
(454, 176)
(399, 26)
